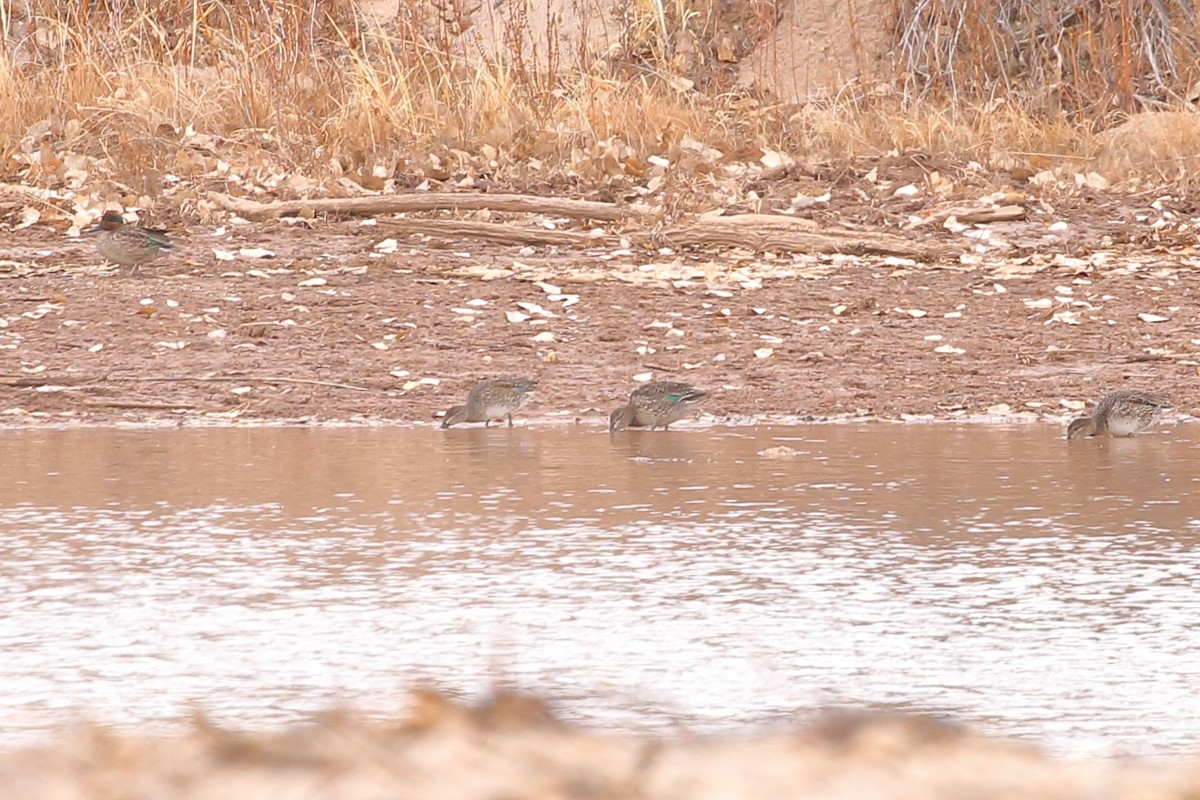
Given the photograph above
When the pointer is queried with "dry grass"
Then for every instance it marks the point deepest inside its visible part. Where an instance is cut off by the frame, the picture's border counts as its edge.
(1089, 61)
(263, 90)
(995, 133)
(513, 747)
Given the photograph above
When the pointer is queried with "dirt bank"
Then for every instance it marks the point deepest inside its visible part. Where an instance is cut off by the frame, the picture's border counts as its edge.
(514, 748)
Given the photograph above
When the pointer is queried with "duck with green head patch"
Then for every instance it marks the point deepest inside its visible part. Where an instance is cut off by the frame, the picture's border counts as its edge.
(128, 245)
(656, 404)
(491, 398)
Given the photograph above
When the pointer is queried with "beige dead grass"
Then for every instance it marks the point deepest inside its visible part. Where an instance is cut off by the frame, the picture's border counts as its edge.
(1163, 146)
(152, 103)
(997, 134)
(512, 747)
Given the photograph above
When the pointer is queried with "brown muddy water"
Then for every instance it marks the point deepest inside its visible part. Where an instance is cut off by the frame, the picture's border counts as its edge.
(644, 581)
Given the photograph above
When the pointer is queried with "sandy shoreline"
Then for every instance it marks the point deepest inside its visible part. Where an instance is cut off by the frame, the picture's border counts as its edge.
(399, 339)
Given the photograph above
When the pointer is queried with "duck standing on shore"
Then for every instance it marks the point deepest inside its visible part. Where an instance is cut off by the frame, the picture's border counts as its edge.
(128, 245)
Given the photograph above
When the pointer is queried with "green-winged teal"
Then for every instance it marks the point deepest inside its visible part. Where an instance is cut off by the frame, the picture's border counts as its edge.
(1119, 414)
(491, 398)
(656, 404)
(128, 245)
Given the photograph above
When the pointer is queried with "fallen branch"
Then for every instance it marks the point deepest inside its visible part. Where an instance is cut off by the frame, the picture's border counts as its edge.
(134, 404)
(61, 380)
(495, 233)
(430, 201)
(770, 232)
(974, 215)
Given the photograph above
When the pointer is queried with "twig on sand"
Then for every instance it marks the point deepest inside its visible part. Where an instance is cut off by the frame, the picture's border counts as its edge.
(138, 405)
(52, 380)
(972, 215)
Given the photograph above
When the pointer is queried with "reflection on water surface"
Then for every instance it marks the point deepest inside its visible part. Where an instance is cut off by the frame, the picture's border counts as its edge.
(1032, 586)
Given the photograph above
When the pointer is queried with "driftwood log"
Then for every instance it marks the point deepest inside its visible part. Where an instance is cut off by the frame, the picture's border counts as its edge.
(496, 233)
(425, 201)
(758, 232)
(780, 234)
